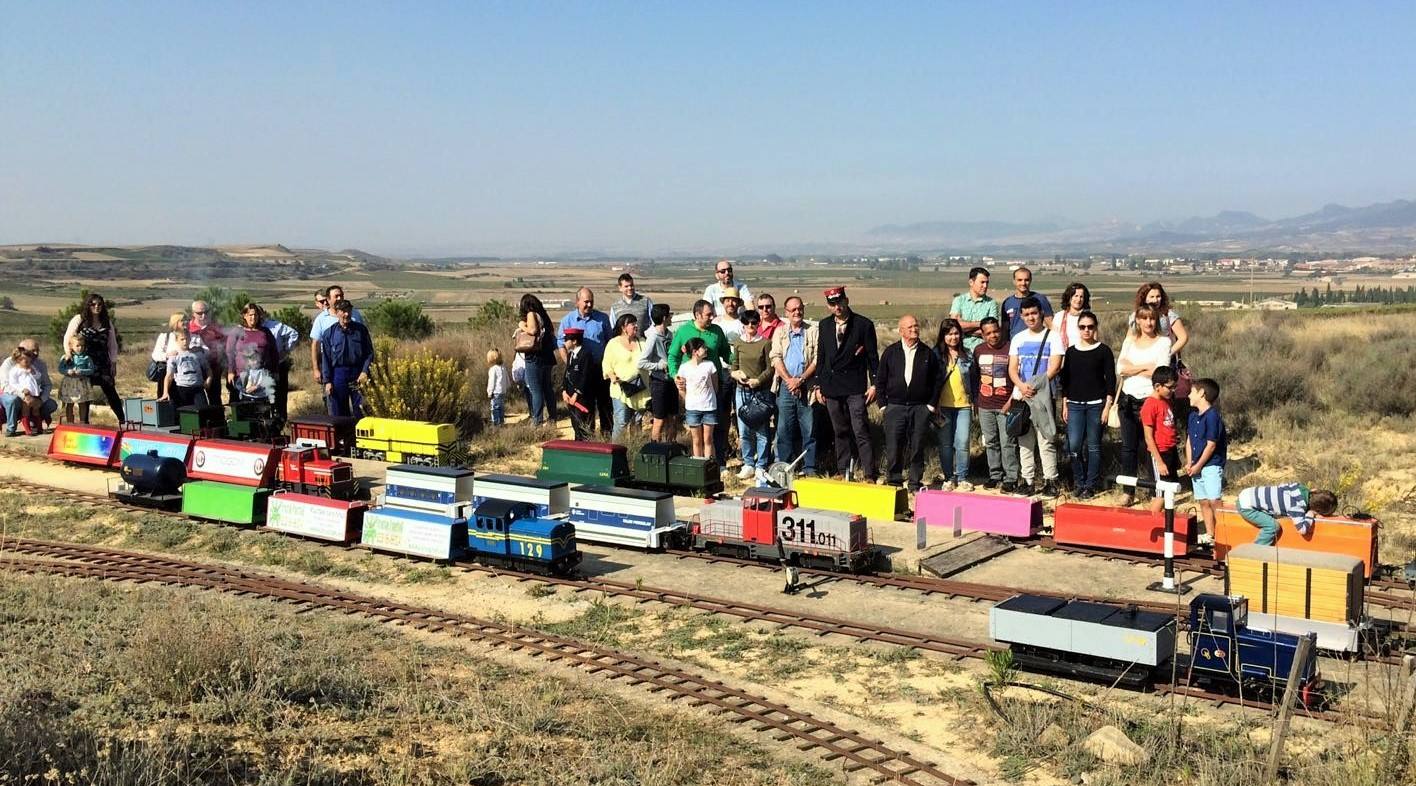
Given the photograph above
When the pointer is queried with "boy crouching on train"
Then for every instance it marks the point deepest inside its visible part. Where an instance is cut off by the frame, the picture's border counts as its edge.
(1259, 505)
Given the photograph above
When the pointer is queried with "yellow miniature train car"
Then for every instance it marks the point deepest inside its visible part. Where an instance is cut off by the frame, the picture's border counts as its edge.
(407, 442)
(874, 502)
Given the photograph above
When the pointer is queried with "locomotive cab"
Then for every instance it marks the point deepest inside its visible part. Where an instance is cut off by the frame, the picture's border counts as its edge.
(1222, 643)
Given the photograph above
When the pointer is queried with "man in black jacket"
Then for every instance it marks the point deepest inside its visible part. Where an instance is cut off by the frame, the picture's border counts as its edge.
(910, 381)
(846, 367)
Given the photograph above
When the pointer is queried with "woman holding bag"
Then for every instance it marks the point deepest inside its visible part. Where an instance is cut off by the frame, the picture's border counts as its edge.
(752, 371)
(536, 343)
(1144, 351)
(629, 386)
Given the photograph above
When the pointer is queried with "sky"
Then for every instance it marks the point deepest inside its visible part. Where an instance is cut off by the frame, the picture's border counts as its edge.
(526, 127)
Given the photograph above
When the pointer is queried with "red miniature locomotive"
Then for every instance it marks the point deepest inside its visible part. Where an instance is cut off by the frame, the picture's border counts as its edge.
(309, 470)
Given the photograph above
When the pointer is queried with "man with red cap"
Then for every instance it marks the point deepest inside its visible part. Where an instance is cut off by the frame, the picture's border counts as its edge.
(846, 367)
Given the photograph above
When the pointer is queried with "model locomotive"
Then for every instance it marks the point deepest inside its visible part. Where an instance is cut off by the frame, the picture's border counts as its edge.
(767, 524)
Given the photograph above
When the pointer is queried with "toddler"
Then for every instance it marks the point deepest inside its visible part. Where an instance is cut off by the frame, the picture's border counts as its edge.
(496, 386)
(24, 384)
(76, 370)
(700, 401)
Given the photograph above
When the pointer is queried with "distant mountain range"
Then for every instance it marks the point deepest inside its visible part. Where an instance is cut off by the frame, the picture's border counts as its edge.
(1383, 227)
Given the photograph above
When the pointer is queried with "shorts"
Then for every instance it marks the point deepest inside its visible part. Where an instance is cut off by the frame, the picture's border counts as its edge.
(1209, 482)
(663, 398)
(1172, 463)
(695, 417)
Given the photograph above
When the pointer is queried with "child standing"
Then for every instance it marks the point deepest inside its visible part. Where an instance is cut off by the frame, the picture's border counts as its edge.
(582, 379)
(24, 383)
(1158, 422)
(496, 386)
(75, 385)
(700, 401)
(188, 373)
(1259, 505)
(1206, 448)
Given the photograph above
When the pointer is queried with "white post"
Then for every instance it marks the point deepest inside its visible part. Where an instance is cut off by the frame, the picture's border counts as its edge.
(1167, 489)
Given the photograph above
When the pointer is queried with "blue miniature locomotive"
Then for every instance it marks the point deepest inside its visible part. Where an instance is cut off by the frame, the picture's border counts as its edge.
(511, 533)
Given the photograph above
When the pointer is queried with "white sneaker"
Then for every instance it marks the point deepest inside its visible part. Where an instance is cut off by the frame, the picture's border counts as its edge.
(963, 485)
(745, 472)
(760, 477)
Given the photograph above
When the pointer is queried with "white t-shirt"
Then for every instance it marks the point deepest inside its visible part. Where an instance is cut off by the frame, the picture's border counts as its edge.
(732, 326)
(1068, 334)
(1026, 345)
(700, 386)
(1158, 354)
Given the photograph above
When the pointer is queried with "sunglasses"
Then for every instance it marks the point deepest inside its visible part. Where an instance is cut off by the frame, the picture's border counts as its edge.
(1086, 327)
(324, 301)
(199, 313)
(725, 270)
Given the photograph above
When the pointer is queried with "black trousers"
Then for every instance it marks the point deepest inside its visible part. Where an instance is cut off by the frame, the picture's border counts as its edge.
(282, 388)
(603, 406)
(906, 431)
(851, 429)
(104, 381)
(218, 382)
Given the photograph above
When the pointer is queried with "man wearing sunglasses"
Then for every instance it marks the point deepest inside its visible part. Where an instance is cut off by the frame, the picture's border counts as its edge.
(326, 319)
(714, 292)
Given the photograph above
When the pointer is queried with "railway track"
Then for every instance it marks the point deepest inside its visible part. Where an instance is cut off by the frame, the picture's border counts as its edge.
(854, 751)
(954, 648)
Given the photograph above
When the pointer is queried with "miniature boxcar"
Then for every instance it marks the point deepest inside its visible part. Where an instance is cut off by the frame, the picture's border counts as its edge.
(638, 518)
(1091, 640)
(511, 533)
(666, 466)
(334, 433)
(228, 502)
(133, 411)
(339, 521)
(407, 442)
(201, 420)
(418, 533)
(1333, 535)
(1122, 529)
(867, 499)
(1011, 516)
(229, 461)
(598, 463)
(1300, 592)
(549, 497)
(446, 491)
(159, 414)
(754, 525)
(77, 444)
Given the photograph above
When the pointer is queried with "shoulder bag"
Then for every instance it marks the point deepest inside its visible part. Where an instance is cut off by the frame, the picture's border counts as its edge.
(1020, 414)
(530, 343)
(756, 409)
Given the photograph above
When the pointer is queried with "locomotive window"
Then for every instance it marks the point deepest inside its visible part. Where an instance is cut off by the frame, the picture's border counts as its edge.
(1221, 620)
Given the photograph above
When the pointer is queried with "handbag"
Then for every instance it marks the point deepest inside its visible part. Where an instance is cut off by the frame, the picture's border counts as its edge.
(756, 409)
(157, 371)
(630, 387)
(528, 343)
(1019, 419)
(1184, 378)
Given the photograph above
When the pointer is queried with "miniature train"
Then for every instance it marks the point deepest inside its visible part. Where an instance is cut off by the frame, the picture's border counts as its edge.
(1121, 644)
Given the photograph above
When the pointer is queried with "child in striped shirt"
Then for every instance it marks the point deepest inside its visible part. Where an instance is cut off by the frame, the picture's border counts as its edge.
(1260, 505)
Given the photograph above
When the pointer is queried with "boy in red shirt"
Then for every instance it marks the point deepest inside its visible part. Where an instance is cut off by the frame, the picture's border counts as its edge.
(1158, 421)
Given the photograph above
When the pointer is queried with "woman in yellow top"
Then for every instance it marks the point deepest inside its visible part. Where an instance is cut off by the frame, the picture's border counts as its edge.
(629, 386)
(954, 409)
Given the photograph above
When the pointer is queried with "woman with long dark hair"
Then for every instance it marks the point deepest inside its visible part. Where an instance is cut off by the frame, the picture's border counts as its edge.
(540, 361)
(1076, 298)
(954, 408)
(96, 330)
(1167, 320)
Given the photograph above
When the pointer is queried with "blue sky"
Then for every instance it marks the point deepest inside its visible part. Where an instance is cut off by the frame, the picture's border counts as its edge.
(521, 127)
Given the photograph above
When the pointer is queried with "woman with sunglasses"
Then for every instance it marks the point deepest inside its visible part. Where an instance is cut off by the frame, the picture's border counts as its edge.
(95, 329)
(1088, 382)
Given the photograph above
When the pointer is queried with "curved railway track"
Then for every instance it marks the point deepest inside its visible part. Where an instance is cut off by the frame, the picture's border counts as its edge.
(833, 742)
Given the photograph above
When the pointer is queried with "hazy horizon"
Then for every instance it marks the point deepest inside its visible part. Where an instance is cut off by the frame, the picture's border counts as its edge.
(495, 129)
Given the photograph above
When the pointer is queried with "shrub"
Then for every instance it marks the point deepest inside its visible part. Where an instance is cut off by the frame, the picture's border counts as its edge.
(418, 386)
(401, 319)
(295, 317)
(493, 312)
(225, 304)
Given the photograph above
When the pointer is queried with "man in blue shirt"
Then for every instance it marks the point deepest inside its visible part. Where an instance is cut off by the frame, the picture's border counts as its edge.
(1013, 304)
(286, 338)
(595, 334)
(344, 362)
(324, 321)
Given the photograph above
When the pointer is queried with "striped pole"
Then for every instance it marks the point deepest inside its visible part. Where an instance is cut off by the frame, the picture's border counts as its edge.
(1167, 489)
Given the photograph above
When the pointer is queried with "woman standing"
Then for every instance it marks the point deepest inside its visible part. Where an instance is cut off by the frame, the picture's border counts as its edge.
(251, 349)
(663, 393)
(540, 357)
(1088, 392)
(164, 348)
(100, 340)
(1168, 322)
(1144, 351)
(954, 409)
(1075, 299)
(629, 386)
(752, 372)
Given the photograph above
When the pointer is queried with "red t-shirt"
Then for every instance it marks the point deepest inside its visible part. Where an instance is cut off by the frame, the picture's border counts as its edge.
(1157, 414)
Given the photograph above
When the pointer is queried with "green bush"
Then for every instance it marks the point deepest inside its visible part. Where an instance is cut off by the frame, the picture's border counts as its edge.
(295, 317)
(400, 319)
(224, 303)
(493, 312)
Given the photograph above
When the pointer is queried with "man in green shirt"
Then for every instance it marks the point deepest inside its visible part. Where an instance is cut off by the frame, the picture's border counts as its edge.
(972, 306)
(719, 351)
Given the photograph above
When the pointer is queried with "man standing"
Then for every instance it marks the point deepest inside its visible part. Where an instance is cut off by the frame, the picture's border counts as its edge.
(1034, 358)
(205, 327)
(713, 293)
(767, 309)
(594, 334)
(991, 390)
(286, 338)
(12, 399)
(719, 351)
(847, 365)
(910, 382)
(324, 320)
(344, 361)
(794, 358)
(729, 313)
(971, 307)
(631, 302)
(1013, 304)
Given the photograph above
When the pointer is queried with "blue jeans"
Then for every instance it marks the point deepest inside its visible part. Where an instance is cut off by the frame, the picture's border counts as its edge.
(1267, 524)
(752, 440)
(498, 410)
(538, 384)
(624, 415)
(794, 430)
(1084, 444)
(953, 438)
(12, 409)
